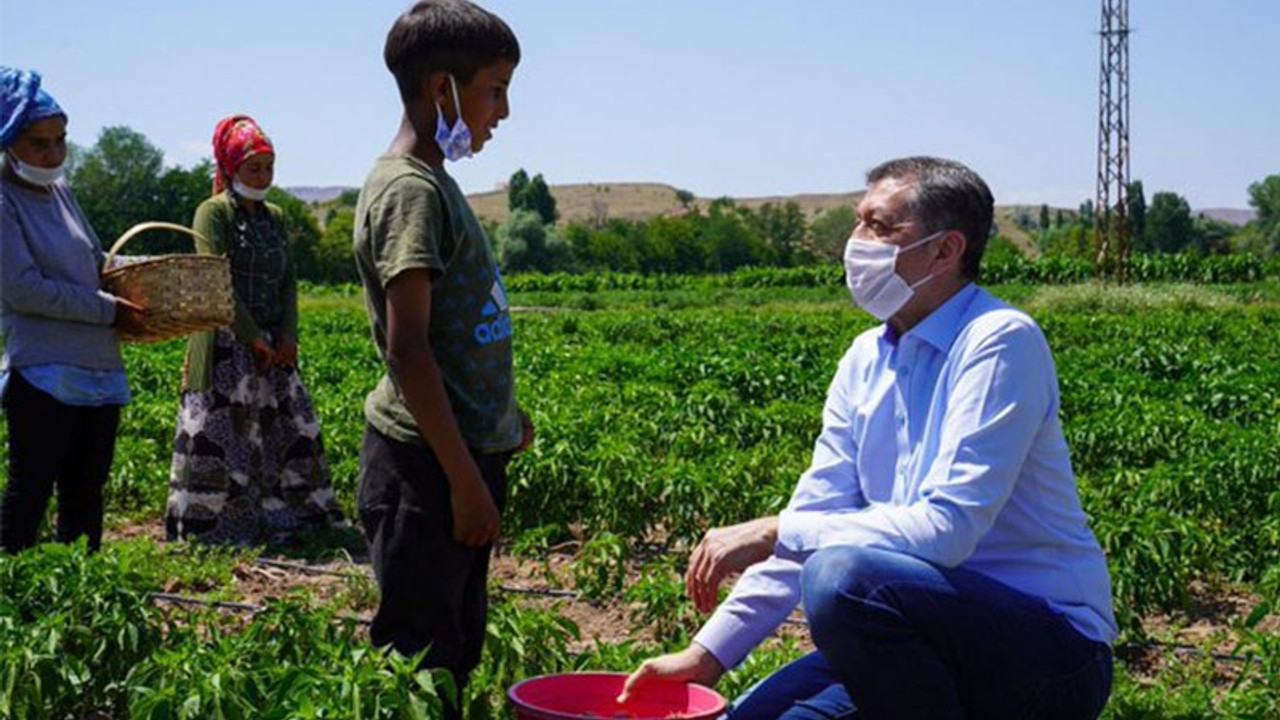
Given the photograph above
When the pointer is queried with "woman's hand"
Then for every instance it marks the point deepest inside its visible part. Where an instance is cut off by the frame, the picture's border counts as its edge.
(263, 353)
(693, 664)
(130, 317)
(287, 351)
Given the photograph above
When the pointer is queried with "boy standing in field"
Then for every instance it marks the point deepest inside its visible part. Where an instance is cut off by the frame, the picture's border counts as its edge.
(443, 422)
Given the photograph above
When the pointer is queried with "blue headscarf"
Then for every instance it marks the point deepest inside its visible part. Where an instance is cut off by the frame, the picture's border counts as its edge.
(22, 103)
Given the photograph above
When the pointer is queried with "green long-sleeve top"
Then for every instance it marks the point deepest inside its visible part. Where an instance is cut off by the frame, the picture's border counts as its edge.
(215, 220)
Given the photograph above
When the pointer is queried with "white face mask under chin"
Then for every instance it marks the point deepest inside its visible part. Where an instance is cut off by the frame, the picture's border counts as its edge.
(454, 142)
(44, 177)
(247, 192)
(869, 270)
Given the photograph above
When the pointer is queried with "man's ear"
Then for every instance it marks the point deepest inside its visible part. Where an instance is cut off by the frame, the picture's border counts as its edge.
(953, 247)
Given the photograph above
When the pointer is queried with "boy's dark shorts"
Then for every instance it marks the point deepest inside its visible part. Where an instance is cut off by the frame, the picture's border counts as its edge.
(433, 588)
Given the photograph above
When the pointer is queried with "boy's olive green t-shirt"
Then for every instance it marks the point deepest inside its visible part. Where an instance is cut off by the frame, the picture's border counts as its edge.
(410, 216)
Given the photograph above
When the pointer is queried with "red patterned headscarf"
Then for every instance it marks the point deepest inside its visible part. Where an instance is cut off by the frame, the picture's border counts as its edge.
(234, 140)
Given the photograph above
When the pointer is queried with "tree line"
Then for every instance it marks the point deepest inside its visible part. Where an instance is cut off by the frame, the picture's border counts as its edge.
(724, 237)
(121, 180)
(1166, 226)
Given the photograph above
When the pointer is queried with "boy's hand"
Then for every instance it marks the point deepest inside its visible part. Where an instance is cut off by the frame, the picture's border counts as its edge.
(526, 438)
(475, 518)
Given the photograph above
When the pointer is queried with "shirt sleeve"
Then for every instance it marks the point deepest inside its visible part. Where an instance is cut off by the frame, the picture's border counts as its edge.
(761, 599)
(27, 290)
(999, 392)
(407, 224)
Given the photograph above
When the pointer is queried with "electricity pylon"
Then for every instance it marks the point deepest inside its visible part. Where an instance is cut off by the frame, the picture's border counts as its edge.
(1110, 219)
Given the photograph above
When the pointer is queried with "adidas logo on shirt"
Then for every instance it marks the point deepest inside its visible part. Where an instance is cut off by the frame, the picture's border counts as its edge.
(499, 328)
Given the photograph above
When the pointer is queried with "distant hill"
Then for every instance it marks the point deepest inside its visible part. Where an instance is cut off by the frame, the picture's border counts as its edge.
(641, 201)
(313, 194)
(629, 201)
(1235, 216)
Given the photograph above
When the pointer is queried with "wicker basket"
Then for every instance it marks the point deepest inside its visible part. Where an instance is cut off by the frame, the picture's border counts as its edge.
(182, 294)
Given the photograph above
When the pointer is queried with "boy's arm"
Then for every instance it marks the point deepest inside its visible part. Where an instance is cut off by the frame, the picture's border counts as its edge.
(414, 368)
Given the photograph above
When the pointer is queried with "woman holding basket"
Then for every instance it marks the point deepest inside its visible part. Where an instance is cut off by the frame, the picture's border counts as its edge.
(248, 461)
(62, 378)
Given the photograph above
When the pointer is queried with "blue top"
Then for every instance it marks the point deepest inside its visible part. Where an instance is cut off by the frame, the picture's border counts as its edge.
(52, 307)
(944, 444)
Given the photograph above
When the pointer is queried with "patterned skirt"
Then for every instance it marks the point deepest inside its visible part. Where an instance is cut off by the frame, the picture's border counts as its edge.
(248, 460)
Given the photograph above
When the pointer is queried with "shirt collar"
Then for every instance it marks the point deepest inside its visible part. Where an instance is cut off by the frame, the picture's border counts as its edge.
(940, 327)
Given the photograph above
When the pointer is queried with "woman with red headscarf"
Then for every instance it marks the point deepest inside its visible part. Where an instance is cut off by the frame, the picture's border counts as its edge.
(248, 462)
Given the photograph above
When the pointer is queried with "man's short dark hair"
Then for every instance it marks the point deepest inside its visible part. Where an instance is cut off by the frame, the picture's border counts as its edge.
(947, 196)
(454, 36)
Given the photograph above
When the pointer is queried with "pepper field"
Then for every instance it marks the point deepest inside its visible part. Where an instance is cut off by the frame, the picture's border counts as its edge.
(660, 414)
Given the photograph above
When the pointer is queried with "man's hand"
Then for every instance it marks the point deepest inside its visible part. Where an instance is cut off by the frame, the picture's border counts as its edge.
(693, 664)
(263, 353)
(723, 552)
(130, 317)
(475, 517)
(287, 351)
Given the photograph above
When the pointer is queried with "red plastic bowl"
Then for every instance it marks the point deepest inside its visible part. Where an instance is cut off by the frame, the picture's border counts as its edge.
(579, 696)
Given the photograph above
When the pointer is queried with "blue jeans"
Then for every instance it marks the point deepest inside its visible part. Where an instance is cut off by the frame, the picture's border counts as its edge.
(900, 638)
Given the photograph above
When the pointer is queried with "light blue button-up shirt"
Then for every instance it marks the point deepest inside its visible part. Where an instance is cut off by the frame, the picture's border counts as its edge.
(944, 444)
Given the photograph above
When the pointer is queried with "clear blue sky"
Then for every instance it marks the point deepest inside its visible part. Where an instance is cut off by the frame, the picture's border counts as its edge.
(720, 97)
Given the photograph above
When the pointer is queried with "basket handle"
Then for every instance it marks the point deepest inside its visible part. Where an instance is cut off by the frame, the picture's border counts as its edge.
(144, 227)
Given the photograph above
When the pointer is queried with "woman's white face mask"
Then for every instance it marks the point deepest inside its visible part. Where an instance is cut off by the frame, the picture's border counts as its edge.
(44, 177)
(247, 192)
(871, 274)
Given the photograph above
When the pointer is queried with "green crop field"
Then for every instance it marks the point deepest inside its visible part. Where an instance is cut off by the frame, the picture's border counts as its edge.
(661, 412)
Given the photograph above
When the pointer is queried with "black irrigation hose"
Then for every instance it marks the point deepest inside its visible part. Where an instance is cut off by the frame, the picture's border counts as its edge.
(1189, 650)
(311, 569)
(235, 606)
(548, 592)
(184, 600)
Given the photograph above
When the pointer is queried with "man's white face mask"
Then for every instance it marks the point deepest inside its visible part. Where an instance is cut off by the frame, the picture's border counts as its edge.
(869, 271)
